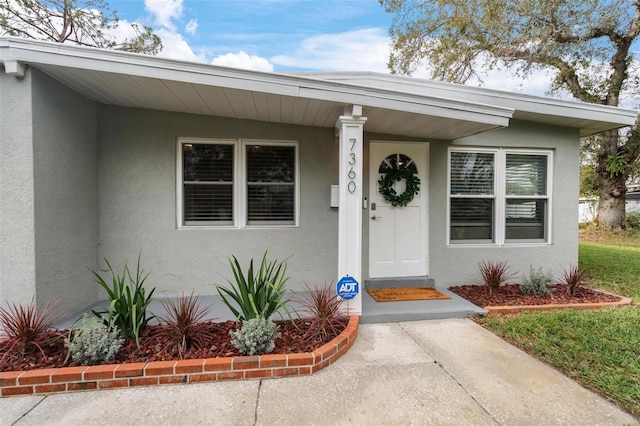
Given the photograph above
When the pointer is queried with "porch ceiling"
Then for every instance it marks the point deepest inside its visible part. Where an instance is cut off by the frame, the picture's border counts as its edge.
(392, 104)
(428, 120)
(138, 81)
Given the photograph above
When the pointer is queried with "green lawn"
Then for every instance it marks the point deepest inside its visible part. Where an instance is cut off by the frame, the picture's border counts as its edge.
(612, 268)
(599, 348)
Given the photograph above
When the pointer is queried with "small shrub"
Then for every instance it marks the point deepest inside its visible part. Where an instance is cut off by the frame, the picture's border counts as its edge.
(183, 323)
(633, 219)
(573, 278)
(494, 274)
(256, 294)
(538, 283)
(128, 302)
(26, 329)
(93, 343)
(323, 309)
(256, 337)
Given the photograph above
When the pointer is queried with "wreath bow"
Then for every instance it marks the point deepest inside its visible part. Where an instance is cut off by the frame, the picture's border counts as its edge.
(385, 186)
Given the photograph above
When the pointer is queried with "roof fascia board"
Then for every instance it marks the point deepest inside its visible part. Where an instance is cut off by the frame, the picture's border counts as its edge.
(49, 54)
(520, 102)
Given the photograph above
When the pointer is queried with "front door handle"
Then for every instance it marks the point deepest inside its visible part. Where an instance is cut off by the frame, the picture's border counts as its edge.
(374, 217)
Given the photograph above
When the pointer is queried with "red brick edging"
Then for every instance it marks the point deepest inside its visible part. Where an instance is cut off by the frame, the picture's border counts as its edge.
(69, 379)
(624, 301)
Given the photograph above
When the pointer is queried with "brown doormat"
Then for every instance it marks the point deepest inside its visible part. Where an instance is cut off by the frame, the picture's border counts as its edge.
(406, 293)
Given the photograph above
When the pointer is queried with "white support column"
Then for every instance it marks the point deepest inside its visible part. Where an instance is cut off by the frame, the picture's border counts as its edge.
(351, 129)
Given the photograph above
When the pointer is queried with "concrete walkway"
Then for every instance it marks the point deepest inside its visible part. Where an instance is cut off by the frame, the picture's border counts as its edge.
(440, 372)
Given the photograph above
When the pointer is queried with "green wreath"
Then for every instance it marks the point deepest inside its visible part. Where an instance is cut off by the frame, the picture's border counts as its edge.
(385, 186)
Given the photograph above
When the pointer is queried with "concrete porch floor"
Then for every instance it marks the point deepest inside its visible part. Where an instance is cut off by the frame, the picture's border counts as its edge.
(414, 310)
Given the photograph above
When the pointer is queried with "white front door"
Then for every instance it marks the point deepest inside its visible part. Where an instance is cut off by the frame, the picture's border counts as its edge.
(398, 235)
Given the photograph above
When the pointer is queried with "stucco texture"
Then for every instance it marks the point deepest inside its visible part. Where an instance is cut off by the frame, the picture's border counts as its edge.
(17, 246)
(456, 264)
(137, 203)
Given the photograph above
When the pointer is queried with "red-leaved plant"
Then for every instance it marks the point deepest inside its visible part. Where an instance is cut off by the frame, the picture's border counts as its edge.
(494, 274)
(573, 278)
(26, 329)
(183, 323)
(322, 308)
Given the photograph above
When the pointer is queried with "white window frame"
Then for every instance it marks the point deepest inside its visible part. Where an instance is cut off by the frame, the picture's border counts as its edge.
(500, 197)
(240, 202)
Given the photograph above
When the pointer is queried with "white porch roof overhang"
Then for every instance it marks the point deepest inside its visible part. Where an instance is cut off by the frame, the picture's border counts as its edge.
(393, 104)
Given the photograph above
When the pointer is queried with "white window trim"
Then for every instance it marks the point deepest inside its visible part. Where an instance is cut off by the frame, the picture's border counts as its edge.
(239, 182)
(500, 198)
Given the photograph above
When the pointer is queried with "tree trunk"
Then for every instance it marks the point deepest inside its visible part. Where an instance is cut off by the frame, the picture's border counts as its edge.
(612, 186)
(611, 205)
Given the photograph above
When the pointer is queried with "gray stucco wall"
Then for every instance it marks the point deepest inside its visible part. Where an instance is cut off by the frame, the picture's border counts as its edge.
(457, 264)
(66, 198)
(17, 243)
(137, 187)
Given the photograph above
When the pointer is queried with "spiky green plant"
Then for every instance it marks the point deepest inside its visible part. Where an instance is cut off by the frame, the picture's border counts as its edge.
(258, 293)
(128, 301)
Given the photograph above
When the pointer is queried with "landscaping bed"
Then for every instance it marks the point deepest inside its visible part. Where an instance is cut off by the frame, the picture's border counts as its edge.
(511, 299)
(155, 346)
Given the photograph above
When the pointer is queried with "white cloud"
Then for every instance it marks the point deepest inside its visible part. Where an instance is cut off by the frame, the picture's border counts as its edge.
(358, 50)
(243, 60)
(174, 46)
(191, 27)
(164, 11)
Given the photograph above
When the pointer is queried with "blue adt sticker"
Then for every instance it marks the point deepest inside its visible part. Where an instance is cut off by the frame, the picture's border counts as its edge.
(347, 287)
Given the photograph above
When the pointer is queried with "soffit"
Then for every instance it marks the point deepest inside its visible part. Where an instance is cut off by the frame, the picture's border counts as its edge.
(138, 81)
(588, 118)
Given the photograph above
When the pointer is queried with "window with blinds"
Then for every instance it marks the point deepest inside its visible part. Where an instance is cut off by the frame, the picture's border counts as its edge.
(208, 183)
(270, 184)
(499, 196)
(526, 196)
(237, 183)
(471, 196)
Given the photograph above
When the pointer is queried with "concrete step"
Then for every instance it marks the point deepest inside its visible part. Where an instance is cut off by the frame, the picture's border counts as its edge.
(399, 282)
(414, 310)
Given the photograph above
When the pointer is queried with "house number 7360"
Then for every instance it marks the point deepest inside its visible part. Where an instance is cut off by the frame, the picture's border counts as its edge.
(351, 185)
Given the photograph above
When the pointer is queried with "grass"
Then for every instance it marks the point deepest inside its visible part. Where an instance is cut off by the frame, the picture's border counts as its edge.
(612, 268)
(598, 348)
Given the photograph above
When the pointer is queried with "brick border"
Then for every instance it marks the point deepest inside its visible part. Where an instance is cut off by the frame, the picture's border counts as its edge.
(624, 301)
(71, 379)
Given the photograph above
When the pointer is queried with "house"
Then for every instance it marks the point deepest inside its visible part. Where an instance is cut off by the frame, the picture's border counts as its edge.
(106, 154)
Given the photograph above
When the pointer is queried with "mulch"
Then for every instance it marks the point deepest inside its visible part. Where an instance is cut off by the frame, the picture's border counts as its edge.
(511, 295)
(154, 346)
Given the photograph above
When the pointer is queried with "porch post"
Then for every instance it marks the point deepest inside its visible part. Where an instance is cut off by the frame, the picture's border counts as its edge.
(350, 129)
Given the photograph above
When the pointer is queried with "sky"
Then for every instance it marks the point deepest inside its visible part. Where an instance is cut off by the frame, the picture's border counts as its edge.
(283, 35)
(291, 35)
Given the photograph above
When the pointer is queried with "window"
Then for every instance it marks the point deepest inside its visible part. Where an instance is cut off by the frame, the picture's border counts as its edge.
(526, 196)
(498, 196)
(270, 184)
(472, 195)
(237, 183)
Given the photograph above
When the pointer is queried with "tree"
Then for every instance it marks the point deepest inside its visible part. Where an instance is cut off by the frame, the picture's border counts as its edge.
(587, 44)
(83, 22)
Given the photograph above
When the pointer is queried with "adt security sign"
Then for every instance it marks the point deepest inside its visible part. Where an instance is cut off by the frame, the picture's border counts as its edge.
(347, 287)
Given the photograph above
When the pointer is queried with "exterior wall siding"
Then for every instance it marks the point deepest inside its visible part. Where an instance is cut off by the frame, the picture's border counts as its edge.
(457, 264)
(17, 241)
(137, 203)
(66, 197)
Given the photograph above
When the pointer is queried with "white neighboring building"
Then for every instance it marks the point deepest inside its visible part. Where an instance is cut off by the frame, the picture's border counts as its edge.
(588, 207)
